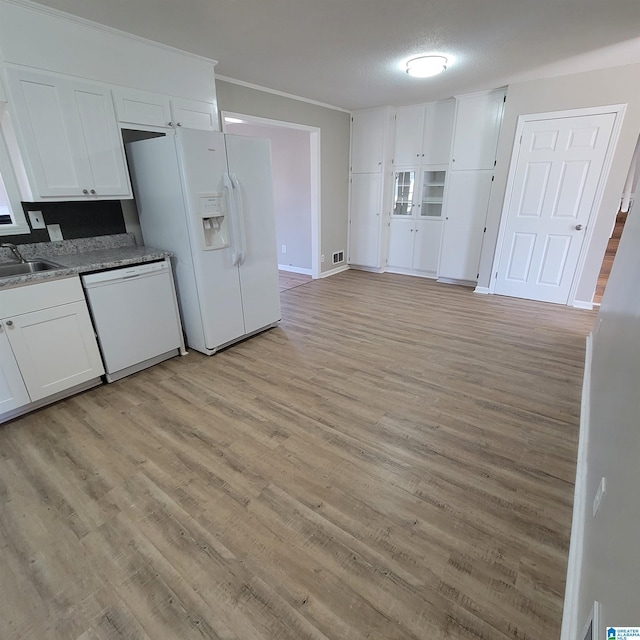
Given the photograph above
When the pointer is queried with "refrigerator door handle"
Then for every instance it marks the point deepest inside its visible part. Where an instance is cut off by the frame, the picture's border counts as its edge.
(233, 216)
(240, 214)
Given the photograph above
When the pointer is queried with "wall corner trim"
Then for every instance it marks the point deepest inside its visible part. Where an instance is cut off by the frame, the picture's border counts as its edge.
(570, 624)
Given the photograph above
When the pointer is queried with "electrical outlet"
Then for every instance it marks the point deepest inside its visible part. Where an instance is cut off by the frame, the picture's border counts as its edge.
(322, 258)
(284, 248)
(597, 501)
(55, 233)
(37, 220)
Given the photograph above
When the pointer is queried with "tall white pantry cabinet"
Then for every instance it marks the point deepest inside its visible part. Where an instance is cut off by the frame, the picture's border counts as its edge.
(418, 204)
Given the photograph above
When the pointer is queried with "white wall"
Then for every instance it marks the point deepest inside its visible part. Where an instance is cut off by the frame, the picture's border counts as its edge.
(291, 167)
(618, 85)
(611, 552)
(334, 148)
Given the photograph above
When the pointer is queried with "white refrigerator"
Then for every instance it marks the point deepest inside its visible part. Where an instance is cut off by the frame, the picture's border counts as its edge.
(208, 198)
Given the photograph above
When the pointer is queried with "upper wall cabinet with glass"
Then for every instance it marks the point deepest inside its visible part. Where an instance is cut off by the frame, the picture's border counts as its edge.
(404, 193)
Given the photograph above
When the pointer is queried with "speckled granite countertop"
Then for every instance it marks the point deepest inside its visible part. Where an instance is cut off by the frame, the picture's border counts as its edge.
(80, 256)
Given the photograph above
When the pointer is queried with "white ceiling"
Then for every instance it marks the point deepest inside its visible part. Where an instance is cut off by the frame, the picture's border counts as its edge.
(348, 52)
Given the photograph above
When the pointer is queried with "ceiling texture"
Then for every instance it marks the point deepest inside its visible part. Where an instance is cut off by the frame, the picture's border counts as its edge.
(350, 53)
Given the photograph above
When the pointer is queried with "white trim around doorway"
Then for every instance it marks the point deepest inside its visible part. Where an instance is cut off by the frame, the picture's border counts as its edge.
(315, 175)
(619, 110)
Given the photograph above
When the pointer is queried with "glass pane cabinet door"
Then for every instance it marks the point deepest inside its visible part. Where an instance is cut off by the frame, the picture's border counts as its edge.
(403, 193)
(432, 192)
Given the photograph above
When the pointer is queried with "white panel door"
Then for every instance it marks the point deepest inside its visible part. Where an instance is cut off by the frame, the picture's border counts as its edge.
(557, 173)
(13, 393)
(408, 147)
(364, 222)
(368, 130)
(99, 137)
(426, 246)
(477, 127)
(42, 112)
(438, 132)
(401, 234)
(56, 348)
(250, 170)
(465, 211)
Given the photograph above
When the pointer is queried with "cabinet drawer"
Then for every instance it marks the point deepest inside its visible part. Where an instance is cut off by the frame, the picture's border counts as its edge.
(40, 295)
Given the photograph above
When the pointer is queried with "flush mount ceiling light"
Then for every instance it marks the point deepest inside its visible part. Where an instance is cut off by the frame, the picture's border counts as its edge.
(426, 66)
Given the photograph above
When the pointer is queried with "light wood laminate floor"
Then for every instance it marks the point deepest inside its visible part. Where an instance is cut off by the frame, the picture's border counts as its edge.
(395, 461)
(289, 280)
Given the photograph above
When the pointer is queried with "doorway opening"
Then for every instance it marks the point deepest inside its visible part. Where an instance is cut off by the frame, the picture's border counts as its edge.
(295, 156)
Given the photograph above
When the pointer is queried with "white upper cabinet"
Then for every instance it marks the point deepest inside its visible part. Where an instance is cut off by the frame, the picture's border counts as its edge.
(147, 109)
(409, 135)
(423, 133)
(368, 135)
(477, 126)
(437, 132)
(69, 136)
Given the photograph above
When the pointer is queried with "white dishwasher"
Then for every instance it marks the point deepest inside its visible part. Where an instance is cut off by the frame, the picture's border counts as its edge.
(135, 314)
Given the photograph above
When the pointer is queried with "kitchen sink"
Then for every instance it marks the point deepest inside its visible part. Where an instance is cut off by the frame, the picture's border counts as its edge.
(30, 266)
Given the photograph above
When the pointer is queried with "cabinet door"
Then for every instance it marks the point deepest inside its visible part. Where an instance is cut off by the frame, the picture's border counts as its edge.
(405, 192)
(368, 130)
(13, 393)
(365, 212)
(142, 107)
(401, 233)
(426, 245)
(45, 123)
(465, 212)
(99, 138)
(438, 132)
(408, 147)
(476, 133)
(55, 348)
(192, 114)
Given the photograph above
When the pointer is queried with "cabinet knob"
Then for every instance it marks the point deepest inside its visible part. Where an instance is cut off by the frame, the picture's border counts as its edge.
(170, 123)
(9, 323)
(93, 192)
(578, 227)
(178, 124)
(85, 192)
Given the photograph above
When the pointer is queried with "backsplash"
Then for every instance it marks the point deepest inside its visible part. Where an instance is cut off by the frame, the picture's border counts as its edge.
(76, 220)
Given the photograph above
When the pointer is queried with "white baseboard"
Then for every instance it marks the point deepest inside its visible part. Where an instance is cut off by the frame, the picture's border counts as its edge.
(463, 283)
(332, 272)
(411, 272)
(581, 304)
(482, 290)
(357, 267)
(570, 623)
(288, 267)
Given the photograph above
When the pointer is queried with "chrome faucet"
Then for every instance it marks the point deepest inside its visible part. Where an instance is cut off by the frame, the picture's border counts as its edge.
(13, 249)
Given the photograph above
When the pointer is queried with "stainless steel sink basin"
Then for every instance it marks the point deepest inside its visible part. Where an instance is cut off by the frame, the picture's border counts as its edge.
(31, 266)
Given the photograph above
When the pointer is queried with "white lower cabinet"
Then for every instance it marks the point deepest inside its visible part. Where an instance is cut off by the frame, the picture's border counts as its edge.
(465, 210)
(13, 393)
(47, 342)
(414, 246)
(366, 212)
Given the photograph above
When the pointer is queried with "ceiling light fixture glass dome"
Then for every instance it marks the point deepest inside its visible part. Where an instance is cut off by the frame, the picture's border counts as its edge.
(426, 66)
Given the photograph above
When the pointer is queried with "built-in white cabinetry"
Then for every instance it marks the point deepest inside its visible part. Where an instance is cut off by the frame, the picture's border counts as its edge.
(13, 393)
(477, 127)
(466, 208)
(475, 141)
(143, 108)
(423, 133)
(46, 337)
(70, 140)
(416, 220)
(371, 181)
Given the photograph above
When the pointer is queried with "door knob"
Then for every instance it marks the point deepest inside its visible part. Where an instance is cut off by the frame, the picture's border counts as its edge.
(578, 227)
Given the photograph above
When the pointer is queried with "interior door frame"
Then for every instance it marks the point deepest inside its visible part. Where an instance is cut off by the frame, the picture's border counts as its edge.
(619, 111)
(314, 140)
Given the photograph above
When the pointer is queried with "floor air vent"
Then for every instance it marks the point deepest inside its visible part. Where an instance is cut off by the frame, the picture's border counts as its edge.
(338, 257)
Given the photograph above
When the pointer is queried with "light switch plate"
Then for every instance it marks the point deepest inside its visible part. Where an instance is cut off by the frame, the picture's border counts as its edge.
(37, 219)
(55, 233)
